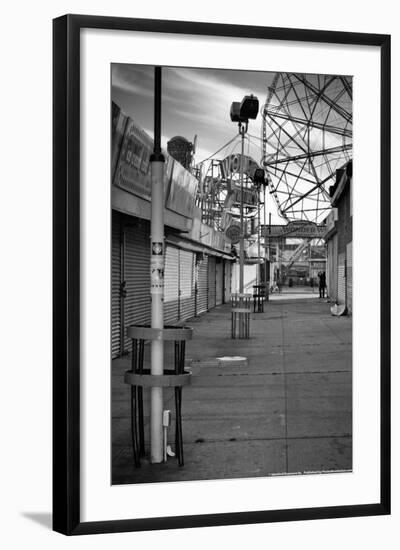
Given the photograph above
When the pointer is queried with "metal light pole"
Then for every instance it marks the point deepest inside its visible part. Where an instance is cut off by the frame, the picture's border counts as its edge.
(259, 237)
(260, 180)
(157, 276)
(242, 131)
(266, 257)
(241, 113)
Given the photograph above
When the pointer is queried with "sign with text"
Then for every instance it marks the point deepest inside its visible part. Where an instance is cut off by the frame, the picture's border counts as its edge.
(131, 150)
(303, 230)
(231, 165)
(133, 169)
(250, 196)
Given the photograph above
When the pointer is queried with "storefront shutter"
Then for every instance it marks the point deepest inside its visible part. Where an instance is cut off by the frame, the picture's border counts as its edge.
(342, 278)
(136, 261)
(211, 282)
(349, 276)
(115, 286)
(202, 286)
(171, 281)
(219, 280)
(186, 286)
(332, 275)
(227, 277)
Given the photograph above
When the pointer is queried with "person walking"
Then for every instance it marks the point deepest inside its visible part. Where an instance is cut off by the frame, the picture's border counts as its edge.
(322, 283)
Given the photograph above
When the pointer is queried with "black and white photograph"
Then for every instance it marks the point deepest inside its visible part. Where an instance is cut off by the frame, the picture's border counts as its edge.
(200, 257)
(231, 274)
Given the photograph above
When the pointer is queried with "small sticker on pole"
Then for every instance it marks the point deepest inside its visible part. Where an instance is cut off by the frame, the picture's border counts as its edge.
(156, 249)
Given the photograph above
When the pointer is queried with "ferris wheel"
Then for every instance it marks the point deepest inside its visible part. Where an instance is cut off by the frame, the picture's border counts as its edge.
(306, 137)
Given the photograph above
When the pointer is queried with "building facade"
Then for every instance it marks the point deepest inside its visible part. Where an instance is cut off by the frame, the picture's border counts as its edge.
(339, 239)
(197, 271)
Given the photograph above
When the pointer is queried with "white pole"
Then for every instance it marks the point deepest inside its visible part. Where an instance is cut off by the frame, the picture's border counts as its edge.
(157, 277)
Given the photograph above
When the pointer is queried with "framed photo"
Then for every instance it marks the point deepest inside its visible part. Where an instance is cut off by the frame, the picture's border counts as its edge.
(221, 349)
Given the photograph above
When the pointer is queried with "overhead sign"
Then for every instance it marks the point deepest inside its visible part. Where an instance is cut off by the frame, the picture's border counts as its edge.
(119, 121)
(296, 229)
(231, 165)
(131, 151)
(318, 265)
(133, 169)
(250, 196)
(233, 233)
(182, 191)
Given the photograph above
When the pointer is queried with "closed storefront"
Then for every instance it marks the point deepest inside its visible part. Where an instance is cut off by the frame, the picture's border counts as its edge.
(227, 281)
(171, 281)
(186, 285)
(202, 285)
(193, 281)
(179, 299)
(332, 275)
(342, 278)
(136, 276)
(185, 271)
(116, 324)
(339, 239)
(211, 282)
(219, 280)
(349, 276)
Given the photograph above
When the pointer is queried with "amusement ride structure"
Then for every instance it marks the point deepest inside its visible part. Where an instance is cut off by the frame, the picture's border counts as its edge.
(306, 135)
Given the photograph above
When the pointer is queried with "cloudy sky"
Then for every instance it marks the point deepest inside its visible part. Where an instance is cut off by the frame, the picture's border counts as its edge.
(194, 101)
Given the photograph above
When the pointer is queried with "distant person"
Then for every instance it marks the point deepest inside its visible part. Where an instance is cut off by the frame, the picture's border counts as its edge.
(322, 283)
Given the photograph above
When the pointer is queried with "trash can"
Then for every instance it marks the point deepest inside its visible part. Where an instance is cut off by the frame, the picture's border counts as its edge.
(259, 294)
(240, 322)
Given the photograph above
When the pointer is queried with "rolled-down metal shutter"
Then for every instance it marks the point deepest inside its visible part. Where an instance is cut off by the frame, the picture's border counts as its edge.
(332, 269)
(227, 284)
(136, 260)
(349, 276)
(219, 281)
(329, 271)
(342, 278)
(202, 286)
(211, 282)
(115, 285)
(186, 287)
(171, 281)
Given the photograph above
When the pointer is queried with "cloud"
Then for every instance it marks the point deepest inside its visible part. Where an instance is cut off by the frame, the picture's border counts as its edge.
(135, 79)
(194, 101)
(204, 96)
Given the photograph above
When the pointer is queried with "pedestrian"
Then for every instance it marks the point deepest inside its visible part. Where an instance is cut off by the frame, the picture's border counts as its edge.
(322, 283)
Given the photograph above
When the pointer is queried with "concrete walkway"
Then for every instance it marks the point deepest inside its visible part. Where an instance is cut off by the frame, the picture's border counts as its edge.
(287, 411)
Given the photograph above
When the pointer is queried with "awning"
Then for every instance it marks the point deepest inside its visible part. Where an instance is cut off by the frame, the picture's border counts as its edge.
(193, 246)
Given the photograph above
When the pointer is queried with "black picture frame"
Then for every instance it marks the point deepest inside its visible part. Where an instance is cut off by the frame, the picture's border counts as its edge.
(66, 273)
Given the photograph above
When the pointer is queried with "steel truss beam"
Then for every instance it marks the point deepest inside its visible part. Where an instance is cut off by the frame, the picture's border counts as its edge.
(310, 123)
(311, 154)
